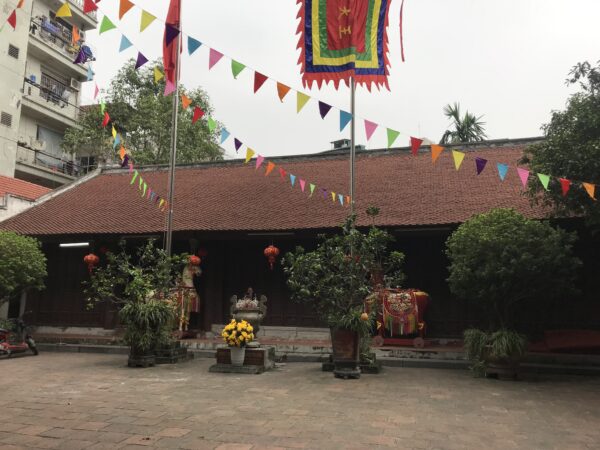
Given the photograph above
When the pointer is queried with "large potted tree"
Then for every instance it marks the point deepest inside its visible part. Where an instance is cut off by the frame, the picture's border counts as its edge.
(500, 260)
(141, 286)
(335, 279)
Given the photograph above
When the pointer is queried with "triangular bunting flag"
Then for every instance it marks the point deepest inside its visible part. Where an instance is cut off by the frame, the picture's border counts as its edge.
(370, 128)
(125, 43)
(270, 167)
(75, 36)
(480, 164)
(106, 25)
(213, 57)
(96, 91)
(185, 101)
(114, 132)
(436, 151)
(141, 60)
(158, 75)
(324, 192)
(259, 80)
(193, 45)
(135, 175)
(124, 7)
(237, 143)
(236, 68)
(565, 185)
(141, 183)
(590, 189)
(122, 153)
(292, 179)
(249, 154)
(146, 20)
(89, 6)
(20, 4)
(312, 189)
(224, 135)
(12, 19)
(171, 33)
(90, 73)
(259, 161)
(392, 135)
(212, 124)
(102, 106)
(415, 143)
(144, 191)
(64, 11)
(332, 196)
(502, 169)
(544, 179)
(302, 184)
(458, 158)
(523, 175)
(106, 119)
(347, 199)
(345, 118)
(301, 100)
(341, 198)
(282, 90)
(282, 173)
(198, 113)
(169, 88)
(324, 108)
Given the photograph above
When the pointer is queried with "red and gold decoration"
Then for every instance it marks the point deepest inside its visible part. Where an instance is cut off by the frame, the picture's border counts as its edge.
(271, 253)
(194, 260)
(91, 260)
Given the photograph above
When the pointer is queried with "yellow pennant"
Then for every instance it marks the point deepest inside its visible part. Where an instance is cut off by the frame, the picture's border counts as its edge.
(64, 11)
(158, 75)
(436, 150)
(301, 100)
(333, 196)
(590, 189)
(458, 158)
(249, 154)
(114, 132)
(146, 20)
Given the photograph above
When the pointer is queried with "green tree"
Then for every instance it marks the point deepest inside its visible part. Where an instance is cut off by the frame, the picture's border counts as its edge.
(142, 114)
(501, 258)
(22, 265)
(571, 149)
(468, 128)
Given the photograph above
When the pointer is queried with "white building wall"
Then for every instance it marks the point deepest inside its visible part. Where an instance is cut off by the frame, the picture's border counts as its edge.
(11, 205)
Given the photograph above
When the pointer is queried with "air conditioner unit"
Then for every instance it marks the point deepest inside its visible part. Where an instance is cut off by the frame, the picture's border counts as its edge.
(75, 84)
(23, 140)
(36, 144)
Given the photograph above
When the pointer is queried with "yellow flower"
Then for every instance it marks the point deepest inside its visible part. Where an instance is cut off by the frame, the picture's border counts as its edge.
(242, 338)
(250, 329)
(244, 334)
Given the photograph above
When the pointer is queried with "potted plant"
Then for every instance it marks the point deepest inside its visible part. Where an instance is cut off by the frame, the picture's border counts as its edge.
(141, 286)
(501, 260)
(237, 334)
(335, 279)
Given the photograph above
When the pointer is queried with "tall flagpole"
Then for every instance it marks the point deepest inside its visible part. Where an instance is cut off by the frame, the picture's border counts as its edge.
(173, 156)
(352, 148)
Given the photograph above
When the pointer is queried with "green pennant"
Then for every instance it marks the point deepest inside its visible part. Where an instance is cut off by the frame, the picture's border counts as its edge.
(135, 174)
(545, 179)
(236, 68)
(212, 124)
(106, 25)
(392, 136)
(102, 107)
(312, 189)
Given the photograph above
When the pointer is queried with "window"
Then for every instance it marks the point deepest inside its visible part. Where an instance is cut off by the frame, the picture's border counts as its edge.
(6, 119)
(13, 51)
(53, 88)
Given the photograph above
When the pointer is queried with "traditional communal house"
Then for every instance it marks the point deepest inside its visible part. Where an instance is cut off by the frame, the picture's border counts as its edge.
(230, 211)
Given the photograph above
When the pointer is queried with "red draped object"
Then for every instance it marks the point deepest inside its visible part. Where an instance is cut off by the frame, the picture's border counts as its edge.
(170, 51)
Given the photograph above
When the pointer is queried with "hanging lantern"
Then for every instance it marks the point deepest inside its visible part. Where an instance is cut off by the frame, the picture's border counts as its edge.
(271, 252)
(202, 252)
(194, 260)
(91, 260)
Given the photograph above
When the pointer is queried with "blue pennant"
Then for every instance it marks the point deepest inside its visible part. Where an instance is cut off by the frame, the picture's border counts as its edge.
(345, 118)
(125, 43)
(224, 135)
(502, 169)
(193, 45)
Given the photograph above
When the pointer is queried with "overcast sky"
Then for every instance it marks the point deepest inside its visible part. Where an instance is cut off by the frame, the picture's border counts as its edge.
(506, 60)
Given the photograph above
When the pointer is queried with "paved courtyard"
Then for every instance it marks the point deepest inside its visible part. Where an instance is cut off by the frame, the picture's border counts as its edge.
(76, 401)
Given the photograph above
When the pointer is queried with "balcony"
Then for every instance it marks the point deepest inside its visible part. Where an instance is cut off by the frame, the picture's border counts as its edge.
(51, 43)
(91, 19)
(50, 102)
(39, 167)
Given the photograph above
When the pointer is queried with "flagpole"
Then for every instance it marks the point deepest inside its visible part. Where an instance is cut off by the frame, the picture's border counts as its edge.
(173, 155)
(352, 148)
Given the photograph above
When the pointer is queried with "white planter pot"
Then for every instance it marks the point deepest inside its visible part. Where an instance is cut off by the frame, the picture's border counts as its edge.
(237, 355)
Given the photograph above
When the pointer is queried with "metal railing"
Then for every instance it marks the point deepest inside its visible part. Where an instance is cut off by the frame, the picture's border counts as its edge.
(51, 162)
(54, 95)
(55, 35)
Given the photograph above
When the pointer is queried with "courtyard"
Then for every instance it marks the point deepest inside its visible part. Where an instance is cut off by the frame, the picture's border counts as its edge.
(92, 401)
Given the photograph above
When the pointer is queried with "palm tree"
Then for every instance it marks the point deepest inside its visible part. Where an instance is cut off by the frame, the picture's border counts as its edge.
(469, 128)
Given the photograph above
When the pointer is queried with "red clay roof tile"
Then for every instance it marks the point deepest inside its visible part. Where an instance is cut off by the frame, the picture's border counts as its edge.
(21, 188)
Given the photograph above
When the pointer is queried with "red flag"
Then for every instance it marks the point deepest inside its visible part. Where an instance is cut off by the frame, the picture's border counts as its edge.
(12, 19)
(89, 6)
(565, 185)
(415, 144)
(170, 51)
(259, 80)
(106, 120)
(198, 113)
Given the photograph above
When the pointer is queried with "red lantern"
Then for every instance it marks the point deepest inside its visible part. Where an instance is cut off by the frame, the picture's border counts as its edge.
(271, 252)
(91, 260)
(194, 260)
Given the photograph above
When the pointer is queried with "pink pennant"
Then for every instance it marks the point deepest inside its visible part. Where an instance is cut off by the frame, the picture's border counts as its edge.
(130, 167)
(523, 175)
(259, 161)
(169, 88)
(213, 58)
(96, 91)
(370, 128)
(302, 184)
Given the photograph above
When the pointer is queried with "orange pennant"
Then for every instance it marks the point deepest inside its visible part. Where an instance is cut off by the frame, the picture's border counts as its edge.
(270, 167)
(590, 189)
(124, 6)
(122, 153)
(75, 37)
(282, 90)
(436, 150)
(185, 101)
(20, 4)
(347, 199)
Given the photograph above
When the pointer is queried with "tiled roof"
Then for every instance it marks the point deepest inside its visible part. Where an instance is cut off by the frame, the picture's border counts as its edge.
(21, 188)
(409, 190)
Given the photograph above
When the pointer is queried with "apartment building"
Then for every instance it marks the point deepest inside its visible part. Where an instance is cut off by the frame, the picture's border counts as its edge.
(41, 85)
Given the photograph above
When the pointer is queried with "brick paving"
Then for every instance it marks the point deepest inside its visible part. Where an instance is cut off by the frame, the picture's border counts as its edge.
(89, 401)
